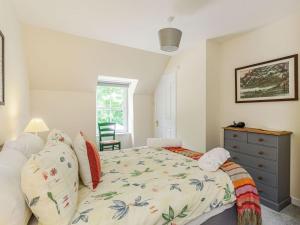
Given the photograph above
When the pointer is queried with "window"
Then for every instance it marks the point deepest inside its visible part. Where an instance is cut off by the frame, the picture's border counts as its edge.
(112, 105)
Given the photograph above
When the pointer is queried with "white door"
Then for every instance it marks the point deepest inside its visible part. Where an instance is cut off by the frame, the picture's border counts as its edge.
(165, 107)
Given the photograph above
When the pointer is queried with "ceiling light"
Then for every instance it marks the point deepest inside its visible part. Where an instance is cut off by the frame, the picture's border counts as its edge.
(169, 38)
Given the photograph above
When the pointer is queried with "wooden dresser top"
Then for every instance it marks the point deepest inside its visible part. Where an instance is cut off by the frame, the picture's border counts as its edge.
(259, 131)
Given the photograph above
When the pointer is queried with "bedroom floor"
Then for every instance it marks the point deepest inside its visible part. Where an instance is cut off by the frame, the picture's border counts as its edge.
(288, 216)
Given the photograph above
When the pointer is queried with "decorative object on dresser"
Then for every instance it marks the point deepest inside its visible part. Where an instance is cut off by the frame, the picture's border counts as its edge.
(274, 80)
(238, 124)
(266, 156)
(2, 92)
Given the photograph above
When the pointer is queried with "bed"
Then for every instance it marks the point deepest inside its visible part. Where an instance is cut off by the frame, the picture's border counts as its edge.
(156, 186)
(139, 186)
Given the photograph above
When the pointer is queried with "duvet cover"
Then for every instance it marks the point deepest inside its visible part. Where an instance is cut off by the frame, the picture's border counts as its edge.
(148, 186)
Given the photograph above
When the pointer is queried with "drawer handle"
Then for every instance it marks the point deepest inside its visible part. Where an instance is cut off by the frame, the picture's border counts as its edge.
(261, 140)
(235, 147)
(261, 153)
(260, 166)
(259, 178)
(235, 135)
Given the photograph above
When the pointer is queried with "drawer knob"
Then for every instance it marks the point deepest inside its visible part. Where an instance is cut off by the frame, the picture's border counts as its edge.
(260, 166)
(235, 135)
(261, 153)
(259, 178)
(235, 147)
(261, 140)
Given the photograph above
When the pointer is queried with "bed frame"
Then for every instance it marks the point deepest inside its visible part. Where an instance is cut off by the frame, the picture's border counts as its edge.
(229, 216)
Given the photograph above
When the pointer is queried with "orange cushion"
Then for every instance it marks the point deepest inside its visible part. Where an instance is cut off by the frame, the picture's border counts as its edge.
(94, 161)
(89, 161)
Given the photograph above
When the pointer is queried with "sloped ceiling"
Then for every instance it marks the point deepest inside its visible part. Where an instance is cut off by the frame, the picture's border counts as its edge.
(64, 62)
(135, 23)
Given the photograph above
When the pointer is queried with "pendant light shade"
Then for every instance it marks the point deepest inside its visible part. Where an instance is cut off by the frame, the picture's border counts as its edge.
(169, 39)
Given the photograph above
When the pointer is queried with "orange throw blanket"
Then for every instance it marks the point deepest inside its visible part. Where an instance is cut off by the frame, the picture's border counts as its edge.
(247, 198)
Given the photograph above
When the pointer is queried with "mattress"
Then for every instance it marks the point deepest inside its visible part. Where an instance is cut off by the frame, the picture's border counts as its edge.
(198, 221)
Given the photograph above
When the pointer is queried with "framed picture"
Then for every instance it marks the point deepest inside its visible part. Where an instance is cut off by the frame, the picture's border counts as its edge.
(2, 100)
(274, 80)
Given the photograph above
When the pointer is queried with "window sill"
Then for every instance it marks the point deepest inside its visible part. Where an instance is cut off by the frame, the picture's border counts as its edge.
(122, 133)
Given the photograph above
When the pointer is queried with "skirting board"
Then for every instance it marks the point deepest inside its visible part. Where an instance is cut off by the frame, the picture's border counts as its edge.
(295, 201)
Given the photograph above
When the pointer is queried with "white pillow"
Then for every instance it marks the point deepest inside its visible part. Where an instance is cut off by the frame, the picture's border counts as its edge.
(58, 136)
(213, 159)
(26, 143)
(49, 181)
(13, 208)
(163, 142)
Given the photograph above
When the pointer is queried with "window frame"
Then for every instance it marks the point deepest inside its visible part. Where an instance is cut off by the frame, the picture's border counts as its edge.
(124, 108)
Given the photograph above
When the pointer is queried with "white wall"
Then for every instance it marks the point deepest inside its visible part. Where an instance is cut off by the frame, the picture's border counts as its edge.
(76, 111)
(67, 110)
(212, 95)
(190, 67)
(64, 69)
(273, 41)
(143, 118)
(15, 114)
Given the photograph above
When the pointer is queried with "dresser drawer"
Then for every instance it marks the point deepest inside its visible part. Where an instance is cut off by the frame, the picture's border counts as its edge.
(262, 151)
(254, 162)
(236, 146)
(235, 135)
(267, 192)
(262, 139)
(251, 149)
(262, 177)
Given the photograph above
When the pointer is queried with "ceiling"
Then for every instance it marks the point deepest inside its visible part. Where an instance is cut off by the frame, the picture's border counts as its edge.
(135, 23)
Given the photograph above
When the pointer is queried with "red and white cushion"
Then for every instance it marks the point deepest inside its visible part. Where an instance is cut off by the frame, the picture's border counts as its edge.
(89, 161)
(49, 181)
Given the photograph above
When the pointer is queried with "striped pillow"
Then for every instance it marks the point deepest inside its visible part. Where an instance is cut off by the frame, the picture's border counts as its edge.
(89, 161)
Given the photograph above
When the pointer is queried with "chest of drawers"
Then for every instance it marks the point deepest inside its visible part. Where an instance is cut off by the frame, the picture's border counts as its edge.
(266, 156)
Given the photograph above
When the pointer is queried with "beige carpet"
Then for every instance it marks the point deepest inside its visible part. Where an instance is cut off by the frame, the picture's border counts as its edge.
(288, 216)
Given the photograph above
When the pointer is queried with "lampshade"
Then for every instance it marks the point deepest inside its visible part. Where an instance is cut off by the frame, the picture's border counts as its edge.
(36, 125)
(169, 39)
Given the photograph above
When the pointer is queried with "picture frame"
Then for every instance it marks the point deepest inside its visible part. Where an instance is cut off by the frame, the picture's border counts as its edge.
(269, 81)
(2, 70)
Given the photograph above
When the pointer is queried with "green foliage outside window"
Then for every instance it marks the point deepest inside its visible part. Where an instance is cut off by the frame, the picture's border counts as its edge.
(111, 105)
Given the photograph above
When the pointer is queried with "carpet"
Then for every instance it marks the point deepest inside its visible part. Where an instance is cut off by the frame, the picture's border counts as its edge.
(288, 216)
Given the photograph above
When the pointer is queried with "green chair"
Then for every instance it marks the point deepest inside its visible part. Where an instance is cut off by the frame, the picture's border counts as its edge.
(107, 137)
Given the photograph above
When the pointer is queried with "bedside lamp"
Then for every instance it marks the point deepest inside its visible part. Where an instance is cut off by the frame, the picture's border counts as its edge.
(36, 126)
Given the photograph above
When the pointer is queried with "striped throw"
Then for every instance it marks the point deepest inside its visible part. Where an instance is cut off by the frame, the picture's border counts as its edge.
(247, 198)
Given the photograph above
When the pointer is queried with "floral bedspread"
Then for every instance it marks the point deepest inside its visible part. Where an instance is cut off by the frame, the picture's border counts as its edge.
(146, 186)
